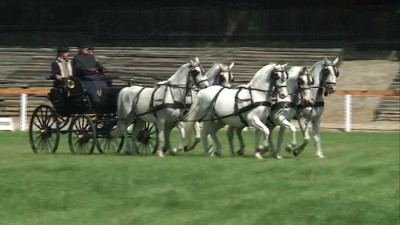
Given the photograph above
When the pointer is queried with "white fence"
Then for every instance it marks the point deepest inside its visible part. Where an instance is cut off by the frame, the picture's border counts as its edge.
(348, 96)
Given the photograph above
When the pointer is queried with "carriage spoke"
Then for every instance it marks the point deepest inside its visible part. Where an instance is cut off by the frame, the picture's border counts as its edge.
(43, 130)
(81, 136)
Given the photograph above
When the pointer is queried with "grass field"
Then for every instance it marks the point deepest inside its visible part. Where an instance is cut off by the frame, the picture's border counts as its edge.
(357, 183)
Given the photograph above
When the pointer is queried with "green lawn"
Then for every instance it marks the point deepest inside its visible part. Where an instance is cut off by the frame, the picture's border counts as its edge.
(357, 183)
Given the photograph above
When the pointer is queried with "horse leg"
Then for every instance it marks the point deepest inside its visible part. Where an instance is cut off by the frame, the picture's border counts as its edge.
(197, 137)
(229, 134)
(285, 124)
(241, 142)
(197, 131)
(260, 128)
(270, 127)
(160, 137)
(122, 129)
(167, 146)
(137, 127)
(182, 133)
(204, 138)
(276, 152)
(216, 142)
(317, 138)
(306, 137)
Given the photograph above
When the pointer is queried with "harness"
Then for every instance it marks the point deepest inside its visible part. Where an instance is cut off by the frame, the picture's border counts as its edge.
(236, 111)
(153, 108)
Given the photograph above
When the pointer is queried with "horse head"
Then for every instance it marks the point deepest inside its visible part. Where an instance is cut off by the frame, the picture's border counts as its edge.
(304, 82)
(279, 78)
(328, 76)
(197, 74)
(225, 76)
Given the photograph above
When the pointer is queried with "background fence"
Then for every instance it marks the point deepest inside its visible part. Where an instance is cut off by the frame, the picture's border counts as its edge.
(351, 104)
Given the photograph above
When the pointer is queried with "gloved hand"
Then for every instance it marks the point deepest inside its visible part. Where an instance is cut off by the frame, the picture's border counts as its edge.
(92, 70)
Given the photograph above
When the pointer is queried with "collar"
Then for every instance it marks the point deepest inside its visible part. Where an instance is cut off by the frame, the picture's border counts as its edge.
(60, 59)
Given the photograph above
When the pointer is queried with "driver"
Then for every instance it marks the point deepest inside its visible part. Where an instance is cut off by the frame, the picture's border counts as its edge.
(87, 69)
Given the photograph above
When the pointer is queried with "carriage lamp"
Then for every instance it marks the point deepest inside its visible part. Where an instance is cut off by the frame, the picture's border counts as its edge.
(70, 84)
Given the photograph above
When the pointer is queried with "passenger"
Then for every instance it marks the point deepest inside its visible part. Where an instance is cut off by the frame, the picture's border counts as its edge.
(87, 69)
(61, 67)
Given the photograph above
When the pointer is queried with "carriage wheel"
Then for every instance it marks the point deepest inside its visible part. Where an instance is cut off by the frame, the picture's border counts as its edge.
(44, 131)
(82, 135)
(105, 142)
(147, 139)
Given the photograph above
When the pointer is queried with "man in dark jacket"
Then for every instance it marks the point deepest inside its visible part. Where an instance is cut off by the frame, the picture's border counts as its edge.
(87, 69)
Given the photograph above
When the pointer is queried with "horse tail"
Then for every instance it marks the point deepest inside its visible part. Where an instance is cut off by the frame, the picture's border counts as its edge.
(123, 112)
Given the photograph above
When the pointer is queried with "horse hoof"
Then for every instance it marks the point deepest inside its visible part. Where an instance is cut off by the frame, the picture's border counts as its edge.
(296, 153)
(320, 156)
(276, 155)
(174, 151)
(240, 152)
(258, 155)
(160, 153)
(289, 148)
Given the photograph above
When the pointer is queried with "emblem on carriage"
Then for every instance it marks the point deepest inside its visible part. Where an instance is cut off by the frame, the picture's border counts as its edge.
(99, 92)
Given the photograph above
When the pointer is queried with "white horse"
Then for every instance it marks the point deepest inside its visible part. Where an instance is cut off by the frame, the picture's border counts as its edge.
(324, 74)
(284, 110)
(219, 74)
(163, 105)
(249, 105)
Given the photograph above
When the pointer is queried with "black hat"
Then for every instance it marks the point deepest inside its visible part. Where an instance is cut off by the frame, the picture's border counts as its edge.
(85, 45)
(62, 49)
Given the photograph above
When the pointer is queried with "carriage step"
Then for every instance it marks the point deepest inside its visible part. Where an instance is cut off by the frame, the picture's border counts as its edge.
(6, 123)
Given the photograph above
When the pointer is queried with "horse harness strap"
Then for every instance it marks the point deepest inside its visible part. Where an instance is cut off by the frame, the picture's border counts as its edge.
(237, 111)
(175, 105)
(211, 106)
(319, 104)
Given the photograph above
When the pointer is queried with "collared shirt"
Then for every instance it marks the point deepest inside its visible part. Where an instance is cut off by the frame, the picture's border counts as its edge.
(61, 68)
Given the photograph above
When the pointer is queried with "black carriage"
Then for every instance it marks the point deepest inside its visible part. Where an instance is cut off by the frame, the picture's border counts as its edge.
(71, 112)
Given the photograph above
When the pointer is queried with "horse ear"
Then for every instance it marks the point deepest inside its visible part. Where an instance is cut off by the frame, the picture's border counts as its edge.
(191, 61)
(335, 61)
(284, 65)
(197, 59)
(231, 66)
(326, 60)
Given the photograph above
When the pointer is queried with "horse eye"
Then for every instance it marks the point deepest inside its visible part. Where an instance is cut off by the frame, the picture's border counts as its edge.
(300, 81)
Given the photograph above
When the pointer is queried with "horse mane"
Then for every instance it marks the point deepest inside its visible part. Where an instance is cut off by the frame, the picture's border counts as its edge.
(317, 65)
(211, 74)
(260, 79)
(180, 75)
(315, 70)
(294, 73)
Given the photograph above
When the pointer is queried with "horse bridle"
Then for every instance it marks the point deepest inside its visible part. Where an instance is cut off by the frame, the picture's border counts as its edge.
(193, 73)
(324, 75)
(283, 78)
(222, 78)
(301, 85)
